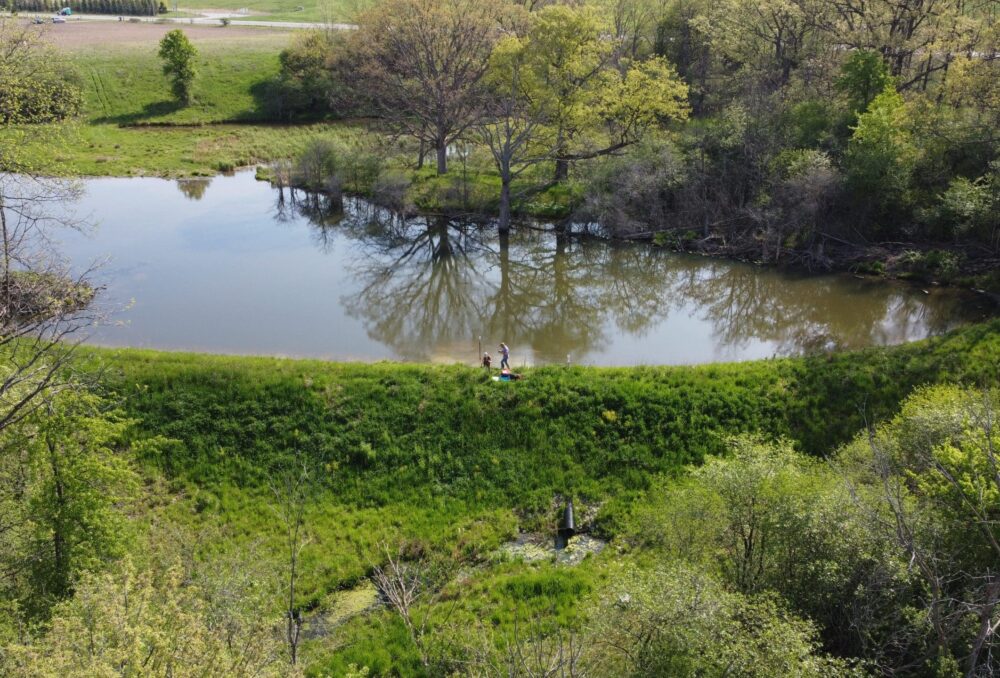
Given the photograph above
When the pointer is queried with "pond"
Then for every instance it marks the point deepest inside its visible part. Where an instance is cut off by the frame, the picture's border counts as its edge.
(223, 265)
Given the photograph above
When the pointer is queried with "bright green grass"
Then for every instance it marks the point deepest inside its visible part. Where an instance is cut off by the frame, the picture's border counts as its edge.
(444, 461)
(130, 126)
(416, 432)
(109, 150)
(126, 86)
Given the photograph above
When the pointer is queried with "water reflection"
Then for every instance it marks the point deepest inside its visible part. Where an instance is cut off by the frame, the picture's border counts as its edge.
(193, 189)
(235, 266)
(432, 285)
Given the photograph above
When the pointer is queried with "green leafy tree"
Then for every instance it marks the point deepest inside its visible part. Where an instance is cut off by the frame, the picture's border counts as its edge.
(178, 55)
(672, 620)
(881, 154)
(65, 482)
(596, 101)
(513, 125)
(863, 76)
(79, 480)
(34, 88)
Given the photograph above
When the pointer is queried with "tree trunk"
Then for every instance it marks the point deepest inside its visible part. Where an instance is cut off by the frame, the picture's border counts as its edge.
(6, 263)
(503, 225)
(442, 158)
(562, 169)
(421, 153)
(293, 622)
(58, 526)
(985, 627)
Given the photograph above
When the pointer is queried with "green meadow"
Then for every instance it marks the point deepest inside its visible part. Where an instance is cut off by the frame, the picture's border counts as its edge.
(444, 461)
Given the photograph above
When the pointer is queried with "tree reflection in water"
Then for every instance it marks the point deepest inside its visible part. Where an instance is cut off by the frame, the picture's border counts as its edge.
(193, 189)
(430, 286)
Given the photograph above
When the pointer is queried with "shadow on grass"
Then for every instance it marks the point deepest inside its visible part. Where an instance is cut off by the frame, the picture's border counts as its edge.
(148, 112)
(281, 103)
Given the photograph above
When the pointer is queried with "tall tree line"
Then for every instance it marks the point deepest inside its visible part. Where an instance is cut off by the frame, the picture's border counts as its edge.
(780, 128)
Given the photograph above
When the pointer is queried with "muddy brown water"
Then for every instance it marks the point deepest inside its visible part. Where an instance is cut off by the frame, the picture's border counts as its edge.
(223, 265)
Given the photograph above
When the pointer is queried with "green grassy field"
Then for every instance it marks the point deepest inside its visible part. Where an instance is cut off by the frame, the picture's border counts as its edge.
(131, 127)
(107, 150)
(125, 85)
(445, 461)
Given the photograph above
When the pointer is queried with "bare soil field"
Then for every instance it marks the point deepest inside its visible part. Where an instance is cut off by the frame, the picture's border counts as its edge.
(76, 34)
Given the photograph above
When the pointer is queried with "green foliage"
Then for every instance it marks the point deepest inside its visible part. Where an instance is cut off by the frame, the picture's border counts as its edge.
(970, 207)
(768, 519)
(35, 87)
(80, 479)
(812, 122)
(66, 478)
(928, 477)
(671, 620)
(569, 73)
(881, 154)
(165, 615)
(863, 76)
(178, 55)
(932, 265)
(307, 85)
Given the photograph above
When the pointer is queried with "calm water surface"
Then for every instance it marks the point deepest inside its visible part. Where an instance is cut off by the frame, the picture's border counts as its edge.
(223, 266)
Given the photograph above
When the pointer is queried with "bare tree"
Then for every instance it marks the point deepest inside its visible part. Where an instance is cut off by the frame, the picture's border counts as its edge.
(526, 651)
(423, 61)
(44, 307)
(294, 489)
(410, 589)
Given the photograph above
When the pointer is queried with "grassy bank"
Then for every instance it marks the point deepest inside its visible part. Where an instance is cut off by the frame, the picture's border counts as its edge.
(108, 150)
(442, 460)
(449, 431)
(431, 435)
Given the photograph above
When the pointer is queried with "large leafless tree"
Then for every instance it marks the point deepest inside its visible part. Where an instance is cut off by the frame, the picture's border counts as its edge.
(423, 61)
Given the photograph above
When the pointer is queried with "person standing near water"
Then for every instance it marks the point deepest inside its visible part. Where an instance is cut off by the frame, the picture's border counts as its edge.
(505, 356)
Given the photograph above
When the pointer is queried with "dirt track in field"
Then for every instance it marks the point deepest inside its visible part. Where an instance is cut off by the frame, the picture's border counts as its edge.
(72, 35)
